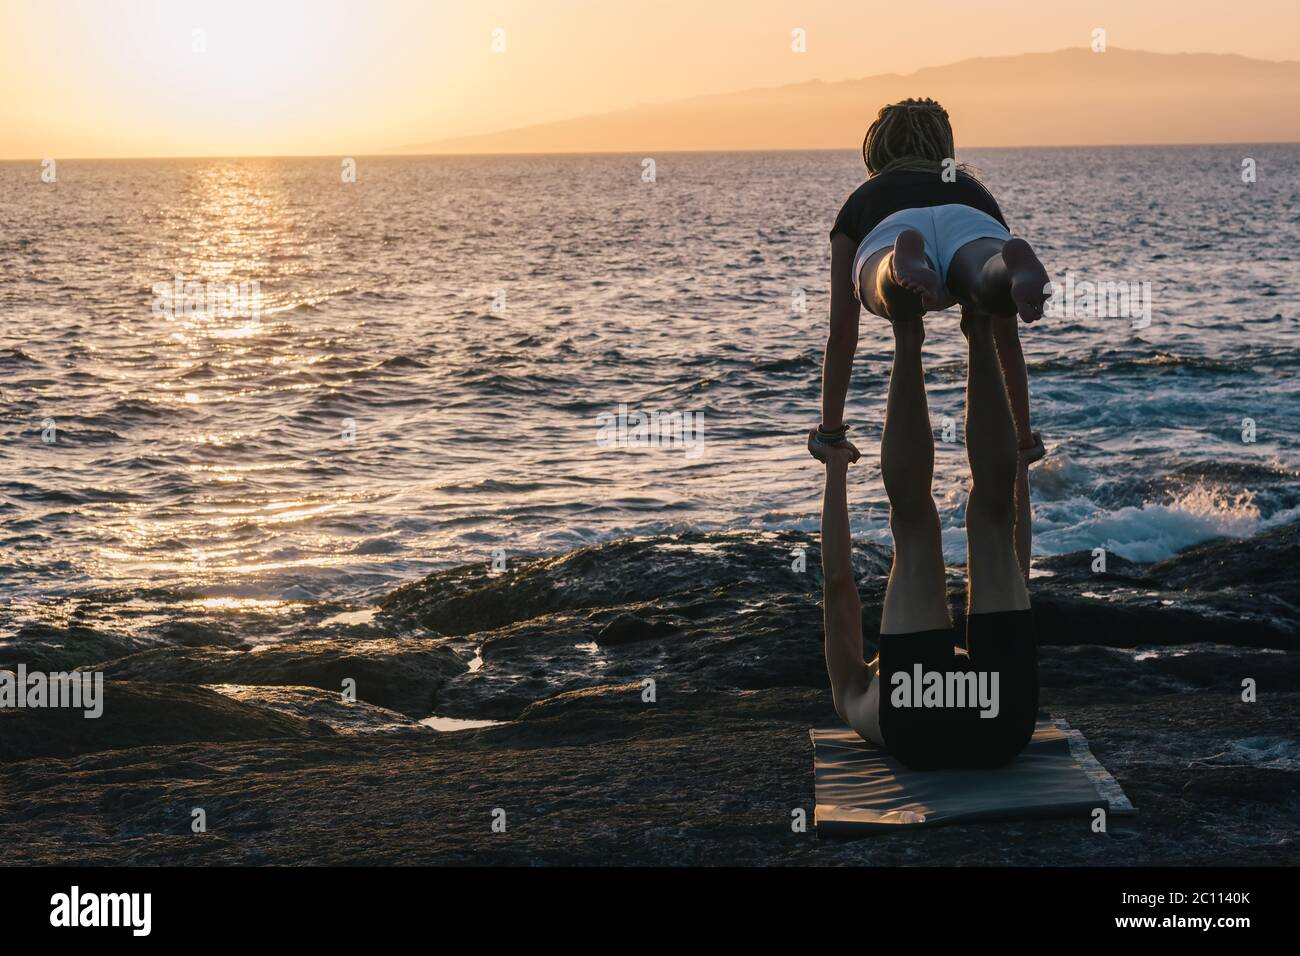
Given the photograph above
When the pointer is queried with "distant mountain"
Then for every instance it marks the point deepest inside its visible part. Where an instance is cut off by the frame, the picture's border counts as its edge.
(1069, 97)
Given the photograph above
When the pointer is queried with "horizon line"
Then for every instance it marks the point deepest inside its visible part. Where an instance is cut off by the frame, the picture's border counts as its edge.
(615, 152)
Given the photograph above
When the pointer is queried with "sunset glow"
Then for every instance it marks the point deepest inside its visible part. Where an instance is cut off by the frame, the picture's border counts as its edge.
(295, 77)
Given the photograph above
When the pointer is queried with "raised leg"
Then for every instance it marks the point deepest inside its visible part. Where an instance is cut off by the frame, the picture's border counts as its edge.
(1000, 636)
(916, 597)
(995, 579)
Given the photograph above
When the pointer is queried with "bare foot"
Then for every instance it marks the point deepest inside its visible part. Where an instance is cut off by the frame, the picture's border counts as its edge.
(909, 267)
(1028, 279)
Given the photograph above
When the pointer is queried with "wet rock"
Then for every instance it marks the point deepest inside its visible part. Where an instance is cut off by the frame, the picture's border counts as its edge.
(603, 699)
(629, 628)
(43, 647)
(325, 707)
(198, 634)
(137, 714)
(402, 674)
(1228, 591)
(616, 574)
(753, 622)
(1169, 669)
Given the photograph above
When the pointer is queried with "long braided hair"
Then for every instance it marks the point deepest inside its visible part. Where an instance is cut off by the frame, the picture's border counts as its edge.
(912, 134)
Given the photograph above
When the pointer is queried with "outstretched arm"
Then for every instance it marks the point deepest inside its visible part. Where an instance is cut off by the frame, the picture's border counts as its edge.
(1006, 335)
(842, 341)
(842, 607)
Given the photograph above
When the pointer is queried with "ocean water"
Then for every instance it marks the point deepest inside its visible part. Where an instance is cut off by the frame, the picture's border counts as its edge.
(433, 345)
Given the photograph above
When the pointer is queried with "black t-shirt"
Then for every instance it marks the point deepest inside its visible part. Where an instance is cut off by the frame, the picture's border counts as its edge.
(887, 193)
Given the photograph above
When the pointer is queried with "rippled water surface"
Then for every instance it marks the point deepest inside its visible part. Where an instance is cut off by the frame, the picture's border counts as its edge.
(473, 316)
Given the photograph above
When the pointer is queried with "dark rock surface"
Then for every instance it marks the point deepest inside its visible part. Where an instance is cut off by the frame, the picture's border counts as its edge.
(45, 648)
(145, 715)
(403, 674)
(657, 694)
(323, 707)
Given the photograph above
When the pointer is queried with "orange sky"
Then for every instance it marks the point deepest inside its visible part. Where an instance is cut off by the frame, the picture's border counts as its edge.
(266, 77)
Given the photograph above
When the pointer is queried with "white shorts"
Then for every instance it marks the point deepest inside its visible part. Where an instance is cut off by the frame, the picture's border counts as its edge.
(945, 229)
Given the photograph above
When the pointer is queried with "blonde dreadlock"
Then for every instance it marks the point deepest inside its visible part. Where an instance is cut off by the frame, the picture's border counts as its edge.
(913, 135)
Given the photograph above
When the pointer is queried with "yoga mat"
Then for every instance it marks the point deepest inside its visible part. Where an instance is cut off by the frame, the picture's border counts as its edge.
(863, 790)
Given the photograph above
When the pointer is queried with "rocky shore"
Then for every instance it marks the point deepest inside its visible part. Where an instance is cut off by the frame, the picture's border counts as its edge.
(648, 701)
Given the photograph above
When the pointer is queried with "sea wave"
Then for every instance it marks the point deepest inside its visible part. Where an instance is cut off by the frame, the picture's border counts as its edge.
(424, 385)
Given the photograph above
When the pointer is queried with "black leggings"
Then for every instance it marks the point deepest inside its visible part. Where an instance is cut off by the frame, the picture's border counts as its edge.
(936, 723)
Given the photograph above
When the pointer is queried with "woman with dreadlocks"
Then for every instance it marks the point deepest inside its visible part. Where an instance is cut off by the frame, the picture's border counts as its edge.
(922, 234)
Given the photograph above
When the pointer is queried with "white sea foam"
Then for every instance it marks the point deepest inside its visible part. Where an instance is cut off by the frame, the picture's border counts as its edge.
(1273, 753)
(1151, 531)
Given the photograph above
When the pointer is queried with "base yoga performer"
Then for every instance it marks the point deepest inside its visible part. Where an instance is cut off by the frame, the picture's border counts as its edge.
(913, 240)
